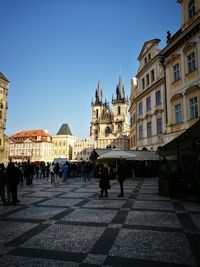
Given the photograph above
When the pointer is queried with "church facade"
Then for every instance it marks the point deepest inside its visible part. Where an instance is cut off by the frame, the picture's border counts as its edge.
(109, 126)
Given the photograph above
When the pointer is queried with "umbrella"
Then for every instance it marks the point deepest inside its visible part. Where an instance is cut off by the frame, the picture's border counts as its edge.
(117, 154)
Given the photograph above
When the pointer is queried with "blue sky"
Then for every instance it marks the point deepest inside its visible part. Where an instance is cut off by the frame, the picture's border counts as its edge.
(54, 51)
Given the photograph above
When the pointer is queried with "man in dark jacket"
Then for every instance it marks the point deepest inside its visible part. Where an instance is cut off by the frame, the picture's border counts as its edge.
(121, 178)
(104, 182)
(13, 174)
(2, 183)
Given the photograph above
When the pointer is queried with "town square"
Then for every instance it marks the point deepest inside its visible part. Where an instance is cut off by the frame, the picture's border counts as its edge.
(100, 133)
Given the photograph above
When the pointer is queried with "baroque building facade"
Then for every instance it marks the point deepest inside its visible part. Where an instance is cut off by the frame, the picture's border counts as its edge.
(63, 143)
(165, 95)
(181, 59)
(3, 116)
(82, 149)
(110, 127)
(147, 109)
(33, 145)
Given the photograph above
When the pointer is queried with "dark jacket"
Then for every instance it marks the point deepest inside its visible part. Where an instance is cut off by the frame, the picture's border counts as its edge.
(13, 175)
(104, 182)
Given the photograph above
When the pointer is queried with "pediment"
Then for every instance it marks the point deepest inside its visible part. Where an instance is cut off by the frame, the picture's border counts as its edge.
(192, 89)
(146, 47)
(176, 96)
(188, 46)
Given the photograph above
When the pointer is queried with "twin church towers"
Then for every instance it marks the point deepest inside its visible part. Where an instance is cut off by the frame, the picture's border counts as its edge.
(107, 122)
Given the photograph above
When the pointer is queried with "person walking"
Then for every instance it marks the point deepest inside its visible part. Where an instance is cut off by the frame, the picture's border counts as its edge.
(65, 172)
(120, 178)
(14, 174)
(56, 172)
(51, 169)
(2, 183)
(104, 183)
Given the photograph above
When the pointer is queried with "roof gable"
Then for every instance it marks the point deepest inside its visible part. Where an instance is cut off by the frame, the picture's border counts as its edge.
(147, 45)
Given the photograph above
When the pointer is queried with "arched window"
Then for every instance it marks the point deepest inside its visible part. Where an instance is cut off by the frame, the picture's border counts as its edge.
(97, 113)
(119, 110)
(107, 131)
(191, 9)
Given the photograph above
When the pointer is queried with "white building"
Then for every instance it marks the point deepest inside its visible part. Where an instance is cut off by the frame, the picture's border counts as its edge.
(33, 145)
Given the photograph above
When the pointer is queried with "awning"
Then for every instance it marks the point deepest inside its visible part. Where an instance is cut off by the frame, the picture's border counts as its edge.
(186, 141)
(145, 155)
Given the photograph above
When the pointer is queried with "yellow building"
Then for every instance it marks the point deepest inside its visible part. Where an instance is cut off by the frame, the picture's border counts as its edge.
(63, 143)
(3, 116)
(182, 67)
(147, 108)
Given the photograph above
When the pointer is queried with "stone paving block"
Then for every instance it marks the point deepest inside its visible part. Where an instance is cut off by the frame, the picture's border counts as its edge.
(10, 230)
(61, 202)
(196, 219)
(153, 245)
(43, 194)
(43, 213)
(77, 194)
(192, 207)
(10, 261)
(151, 197)
(151, 218)
(104, 203)
(67, 238)
(91, 215)
(5, 209)
(94, 259)
(25, 200)
(153, 205)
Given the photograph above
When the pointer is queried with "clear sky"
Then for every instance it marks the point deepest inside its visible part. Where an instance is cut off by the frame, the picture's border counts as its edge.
(54, 51)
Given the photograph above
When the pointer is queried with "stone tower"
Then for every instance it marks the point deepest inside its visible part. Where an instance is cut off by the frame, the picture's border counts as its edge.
(120, 109)
(105, 122)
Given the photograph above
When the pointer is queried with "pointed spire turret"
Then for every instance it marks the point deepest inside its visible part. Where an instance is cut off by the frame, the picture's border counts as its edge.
(120, 90)
(98, 94)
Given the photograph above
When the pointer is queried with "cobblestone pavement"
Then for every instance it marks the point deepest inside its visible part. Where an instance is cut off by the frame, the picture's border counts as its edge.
(69, 225)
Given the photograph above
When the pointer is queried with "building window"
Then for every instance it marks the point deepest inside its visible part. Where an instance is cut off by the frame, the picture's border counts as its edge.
(152, 76)
(140, 108)
(143, 84)
(119, 110)
(159, 126)
(158, 98)
(191, 9)
(193, 105)
(140, 131)
(176, 72)
(191, 62)
(97, 113)
(145, 60)
(149, 129)
(147, 79)
(178, 113)
(148, 103)
(149, 56)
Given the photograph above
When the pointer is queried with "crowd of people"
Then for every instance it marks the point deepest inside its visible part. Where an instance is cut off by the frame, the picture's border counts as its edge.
(18, 174)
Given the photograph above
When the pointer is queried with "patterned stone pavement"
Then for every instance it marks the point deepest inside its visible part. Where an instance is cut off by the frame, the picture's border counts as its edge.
(69, 225)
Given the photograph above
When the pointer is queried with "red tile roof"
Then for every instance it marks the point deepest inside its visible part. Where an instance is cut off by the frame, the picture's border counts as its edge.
(30, 133)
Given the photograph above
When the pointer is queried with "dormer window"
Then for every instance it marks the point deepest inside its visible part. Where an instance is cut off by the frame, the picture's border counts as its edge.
(191, 9)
